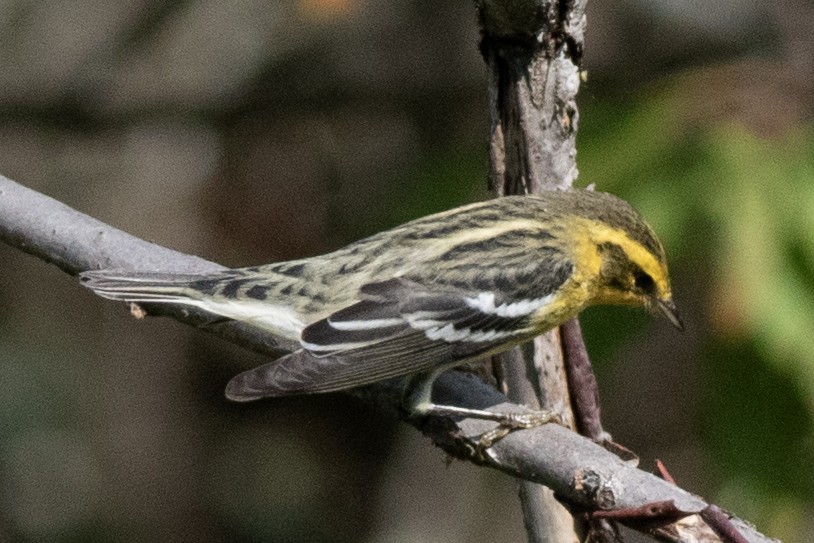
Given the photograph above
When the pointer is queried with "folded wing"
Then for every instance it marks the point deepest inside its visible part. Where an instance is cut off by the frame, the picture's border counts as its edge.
(398, 328)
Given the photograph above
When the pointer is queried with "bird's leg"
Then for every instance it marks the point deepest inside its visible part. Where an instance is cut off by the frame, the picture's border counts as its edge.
(417, 400)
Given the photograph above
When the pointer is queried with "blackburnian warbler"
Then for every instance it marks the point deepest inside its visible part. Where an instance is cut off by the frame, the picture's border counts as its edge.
(428, 295)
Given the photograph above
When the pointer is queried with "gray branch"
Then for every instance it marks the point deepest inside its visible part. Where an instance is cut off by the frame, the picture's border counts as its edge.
(581, 473)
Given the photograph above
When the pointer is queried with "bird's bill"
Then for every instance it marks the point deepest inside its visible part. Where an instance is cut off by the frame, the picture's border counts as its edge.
(668, 309)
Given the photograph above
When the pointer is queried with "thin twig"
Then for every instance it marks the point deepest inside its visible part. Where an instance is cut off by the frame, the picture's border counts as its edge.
(719, 521)
(582, 383)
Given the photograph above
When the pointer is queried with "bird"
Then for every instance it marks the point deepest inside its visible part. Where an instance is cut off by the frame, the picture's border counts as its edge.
(434, 293)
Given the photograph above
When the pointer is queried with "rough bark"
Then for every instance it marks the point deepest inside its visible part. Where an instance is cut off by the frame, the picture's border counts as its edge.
(532, 50)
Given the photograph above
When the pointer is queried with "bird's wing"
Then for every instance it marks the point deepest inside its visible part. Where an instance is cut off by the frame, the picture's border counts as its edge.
(398, 328)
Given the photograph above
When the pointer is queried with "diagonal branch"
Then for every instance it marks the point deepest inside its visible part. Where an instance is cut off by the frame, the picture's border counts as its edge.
(582, 474)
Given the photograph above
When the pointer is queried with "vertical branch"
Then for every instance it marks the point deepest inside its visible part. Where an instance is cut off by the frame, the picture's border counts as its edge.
(533, 50)
(533, 56)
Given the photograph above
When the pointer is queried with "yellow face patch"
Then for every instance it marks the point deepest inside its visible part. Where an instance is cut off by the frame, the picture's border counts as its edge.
(599, 233)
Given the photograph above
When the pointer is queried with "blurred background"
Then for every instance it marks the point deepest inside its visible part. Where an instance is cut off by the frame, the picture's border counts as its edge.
(253, 131)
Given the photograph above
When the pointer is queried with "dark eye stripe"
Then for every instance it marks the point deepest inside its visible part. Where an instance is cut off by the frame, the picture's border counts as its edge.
(643, 281)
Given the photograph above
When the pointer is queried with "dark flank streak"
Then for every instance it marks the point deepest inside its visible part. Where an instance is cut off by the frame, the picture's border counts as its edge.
(232, 287)
(258, 292)
(286, 290)
(205, 286)
(294, 270)
(376, 250)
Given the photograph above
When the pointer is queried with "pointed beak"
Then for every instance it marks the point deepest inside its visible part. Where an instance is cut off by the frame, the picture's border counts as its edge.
(668, 309)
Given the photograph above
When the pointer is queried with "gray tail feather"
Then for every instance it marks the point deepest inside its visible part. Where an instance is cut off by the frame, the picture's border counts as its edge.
(140, 287)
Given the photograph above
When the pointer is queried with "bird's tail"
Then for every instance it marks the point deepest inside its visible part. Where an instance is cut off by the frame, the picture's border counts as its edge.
(146, 287)
(230, 294)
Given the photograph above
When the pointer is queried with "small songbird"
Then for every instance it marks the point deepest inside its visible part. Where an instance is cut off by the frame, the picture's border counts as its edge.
(431, 294)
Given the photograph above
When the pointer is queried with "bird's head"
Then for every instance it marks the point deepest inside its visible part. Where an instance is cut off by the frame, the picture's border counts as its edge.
(632, 276)
(628, 263)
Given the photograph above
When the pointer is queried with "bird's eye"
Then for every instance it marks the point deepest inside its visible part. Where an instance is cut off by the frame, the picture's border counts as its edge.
(643, 281)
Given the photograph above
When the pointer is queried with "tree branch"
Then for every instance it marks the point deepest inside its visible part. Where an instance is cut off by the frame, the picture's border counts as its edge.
(533, 50)
(74, 242)
(581, 473)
